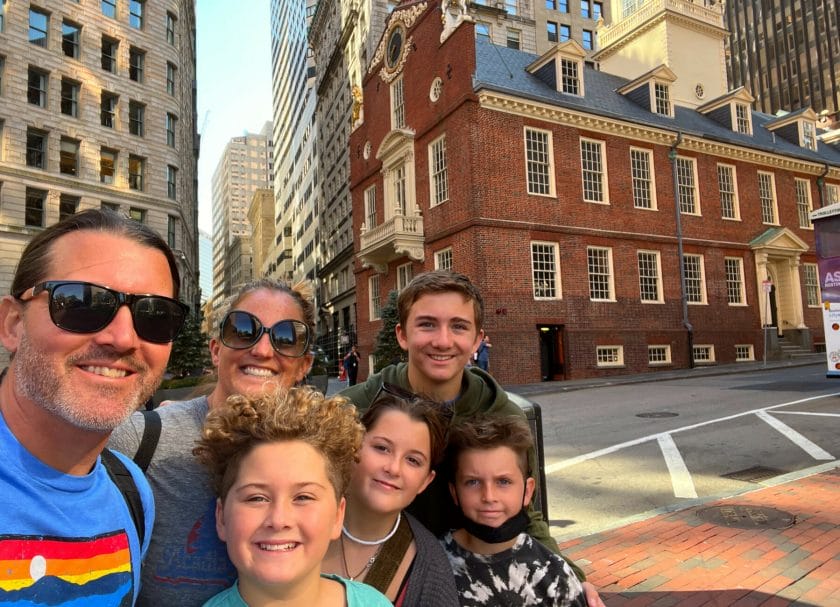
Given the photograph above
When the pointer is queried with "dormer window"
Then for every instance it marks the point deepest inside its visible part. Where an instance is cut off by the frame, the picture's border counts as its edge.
(562, 68)
(809, 135)
(798, 128)
(569, 76)
(662, 98)
(742, 121)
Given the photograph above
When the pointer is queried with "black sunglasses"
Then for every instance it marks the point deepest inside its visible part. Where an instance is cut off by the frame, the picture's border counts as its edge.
(84, 307)
(446, 410)
(241, 330)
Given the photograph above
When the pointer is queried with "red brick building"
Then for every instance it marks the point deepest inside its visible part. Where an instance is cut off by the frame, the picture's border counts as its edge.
(552, 185)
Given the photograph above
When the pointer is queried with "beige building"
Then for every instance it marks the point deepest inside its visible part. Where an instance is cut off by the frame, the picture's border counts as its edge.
(245, 166)
(97, 109)
(261, 216)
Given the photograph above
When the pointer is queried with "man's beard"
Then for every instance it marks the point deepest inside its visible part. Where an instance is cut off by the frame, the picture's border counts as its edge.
(36, 381)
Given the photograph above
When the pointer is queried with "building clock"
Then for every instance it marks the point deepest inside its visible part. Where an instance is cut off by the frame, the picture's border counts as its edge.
(394, 49)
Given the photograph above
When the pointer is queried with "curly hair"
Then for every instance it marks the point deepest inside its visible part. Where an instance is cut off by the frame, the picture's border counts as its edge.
(484, 432)
(329, 425)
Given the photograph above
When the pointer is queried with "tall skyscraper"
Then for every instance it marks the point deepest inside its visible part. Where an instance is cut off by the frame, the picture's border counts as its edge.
(786, 53)
(97, 109)
(245, 166)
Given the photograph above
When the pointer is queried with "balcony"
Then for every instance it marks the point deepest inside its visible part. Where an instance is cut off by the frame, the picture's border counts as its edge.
(400, 236)
(706, 12)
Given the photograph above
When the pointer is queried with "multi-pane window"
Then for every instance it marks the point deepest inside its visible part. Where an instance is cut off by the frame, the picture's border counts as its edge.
(110, 46)
(36, 148)
(687, 186)
(832, 192)
(438, 171)
(107, 165)
(587, 40)
(443, 259)
(70, 38)
(703, 354)
(742, 118)
(744, 352)
(565, 33)
(662, 99)
(138, 215)
(650, 283)
(642, 178)
(170, 28)
(171, 124)
(399, 190)
(108, 8)
(551, 31)
(135, 13)
(67, 206)
(767, 197)
(803, 202)
(136, 112)
(171, 182)
(569, 76)
(39, 25)
(36, 92)
(135, 172)
(609, 356)
(585, 10)
(68, 157)
(734, 267)
(659, 355)
(397, 104)
(812, 285)
(563, 6)
(514, 39)
(35, 203)
(809, 135)
(695, 279)
(539, 162)
(370, 207)
(404, 276)
(171, 70)
(374, 297)
(482, 30)
(593, 171)
(136, 63)
(599, 266)
(108, 109)
(172, 231)
(728, 191)
(597, 10)
(545, 272)
(511, 6)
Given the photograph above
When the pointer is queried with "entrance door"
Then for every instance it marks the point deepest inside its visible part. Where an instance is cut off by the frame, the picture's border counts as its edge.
(774, 311)
(552, 357)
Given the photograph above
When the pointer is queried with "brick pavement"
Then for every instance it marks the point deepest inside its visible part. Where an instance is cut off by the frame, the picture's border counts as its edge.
(676, 559)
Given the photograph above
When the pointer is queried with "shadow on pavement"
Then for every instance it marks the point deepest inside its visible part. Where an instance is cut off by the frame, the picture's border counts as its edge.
(698, 598)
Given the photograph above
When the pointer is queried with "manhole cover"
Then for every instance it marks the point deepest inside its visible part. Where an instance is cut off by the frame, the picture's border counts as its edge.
(754, 474)
(655, 414)
(747, 517)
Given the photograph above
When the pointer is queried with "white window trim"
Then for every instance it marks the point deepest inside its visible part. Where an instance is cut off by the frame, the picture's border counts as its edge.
(835, 196)
(370, 201)
(734, 117)
(704, 298)
(372, 314)
(445, 172)
(697, 211)
(817, 284)
(772, 177)
(397, 83)
(660, 363)
(439, 255)
(404, 268)
(557, 272)
(649, 153)
(660, 298)
(602, 365)
(558, 68)
(743, 289)
(807, 186)
(801, 124)
(611, 273)
(552, 191)
(736, 202)
(605, 186)
(653, 107)
(711, 349)
(751, 349)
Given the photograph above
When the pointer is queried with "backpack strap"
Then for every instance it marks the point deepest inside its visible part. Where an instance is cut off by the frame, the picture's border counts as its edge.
(385, 566)
(122, 478)
(149, 440)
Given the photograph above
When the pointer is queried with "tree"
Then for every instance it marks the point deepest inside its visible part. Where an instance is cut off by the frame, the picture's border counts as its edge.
(387, 349)
(190, 350)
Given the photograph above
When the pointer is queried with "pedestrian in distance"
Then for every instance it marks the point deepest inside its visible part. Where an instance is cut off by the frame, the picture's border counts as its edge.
(262, 344)
(440, 325)
(494, 560)
(351, 365)
(280, 463)
(482, 355)
(89, 323)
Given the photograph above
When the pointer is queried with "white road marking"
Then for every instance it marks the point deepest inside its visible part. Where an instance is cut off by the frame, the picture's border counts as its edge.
(806, 413)
(795, 437)
(680, 476)
(573, 461)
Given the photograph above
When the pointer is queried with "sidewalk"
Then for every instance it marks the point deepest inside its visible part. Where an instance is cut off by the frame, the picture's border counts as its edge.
(677, 559)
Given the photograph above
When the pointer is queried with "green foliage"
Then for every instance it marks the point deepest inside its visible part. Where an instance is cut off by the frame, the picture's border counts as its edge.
(387, 349)
(191, 351)
(184, 382)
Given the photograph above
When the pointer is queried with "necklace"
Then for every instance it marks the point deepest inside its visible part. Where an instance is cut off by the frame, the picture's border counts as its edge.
(373, 542)
(367, 565)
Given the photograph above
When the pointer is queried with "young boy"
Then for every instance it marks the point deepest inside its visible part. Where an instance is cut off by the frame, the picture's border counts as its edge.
(441, 315)
(494, 560)
(280, 464)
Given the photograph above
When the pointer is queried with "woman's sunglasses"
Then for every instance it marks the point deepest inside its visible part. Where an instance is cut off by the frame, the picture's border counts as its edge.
(84, 307)
(241, 330)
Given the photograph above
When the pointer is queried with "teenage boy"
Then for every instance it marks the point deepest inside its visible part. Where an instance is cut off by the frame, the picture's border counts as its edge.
(440, 326)
(493, 559)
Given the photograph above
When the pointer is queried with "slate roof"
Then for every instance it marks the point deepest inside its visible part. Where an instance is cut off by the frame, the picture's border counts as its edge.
(502, 69)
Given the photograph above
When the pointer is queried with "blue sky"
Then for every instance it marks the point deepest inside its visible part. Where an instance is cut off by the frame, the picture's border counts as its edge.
(234, 82)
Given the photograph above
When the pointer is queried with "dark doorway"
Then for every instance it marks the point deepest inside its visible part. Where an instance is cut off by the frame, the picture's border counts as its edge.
(774, 313)
(552, 357)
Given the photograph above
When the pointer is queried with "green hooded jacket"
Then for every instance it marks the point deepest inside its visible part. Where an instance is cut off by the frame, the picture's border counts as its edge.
(479, 394)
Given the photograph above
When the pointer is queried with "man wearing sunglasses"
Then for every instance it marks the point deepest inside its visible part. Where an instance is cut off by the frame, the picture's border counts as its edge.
(89, 325)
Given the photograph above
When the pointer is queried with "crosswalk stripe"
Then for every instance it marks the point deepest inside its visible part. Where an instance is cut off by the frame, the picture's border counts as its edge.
(795, 437)
(680, 476)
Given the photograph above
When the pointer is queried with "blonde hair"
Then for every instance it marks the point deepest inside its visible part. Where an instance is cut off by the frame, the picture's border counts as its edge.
(329, 425)
(301, 292)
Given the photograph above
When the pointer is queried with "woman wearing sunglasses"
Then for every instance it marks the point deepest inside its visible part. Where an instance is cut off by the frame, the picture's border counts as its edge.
(262, 344)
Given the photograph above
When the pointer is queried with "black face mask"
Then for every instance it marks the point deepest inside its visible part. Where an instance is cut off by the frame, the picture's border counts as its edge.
(505, 532)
